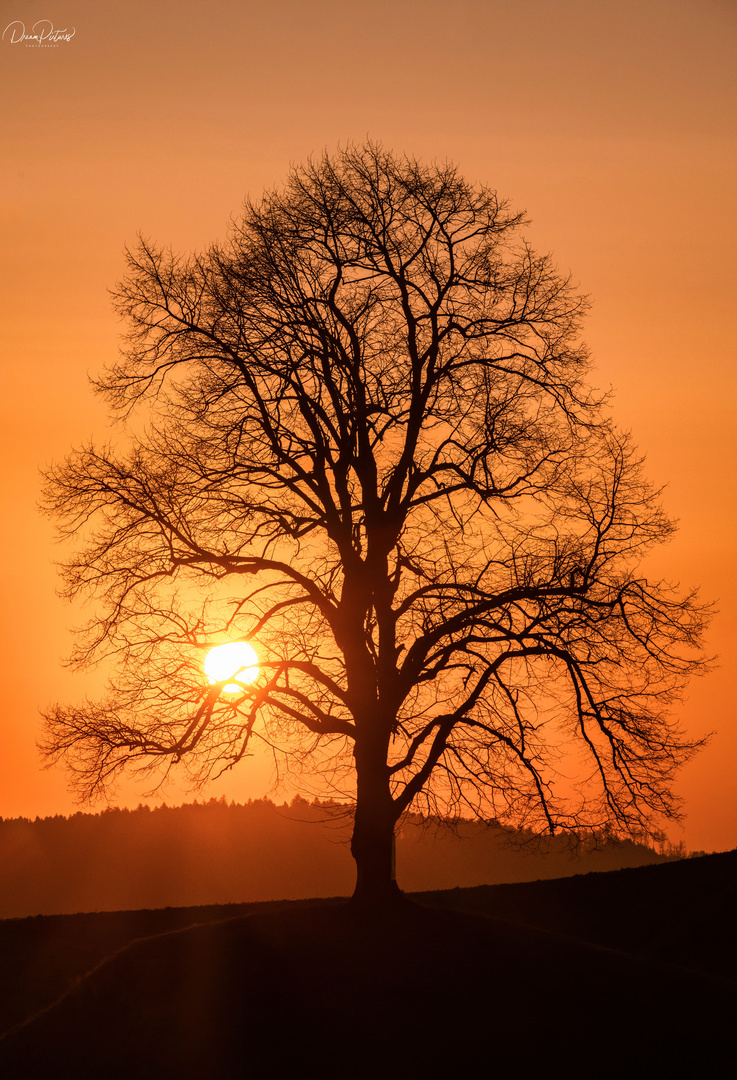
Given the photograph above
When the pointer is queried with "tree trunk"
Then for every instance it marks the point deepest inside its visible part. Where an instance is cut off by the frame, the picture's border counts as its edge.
(372, 844)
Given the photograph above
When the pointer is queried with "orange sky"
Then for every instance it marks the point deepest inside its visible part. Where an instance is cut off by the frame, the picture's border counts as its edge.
(613, 122)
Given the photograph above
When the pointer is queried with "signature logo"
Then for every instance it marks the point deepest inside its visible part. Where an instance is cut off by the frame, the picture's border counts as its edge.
(42, 34)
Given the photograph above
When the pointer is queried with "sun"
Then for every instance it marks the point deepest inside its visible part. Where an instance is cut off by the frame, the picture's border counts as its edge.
(236, 661)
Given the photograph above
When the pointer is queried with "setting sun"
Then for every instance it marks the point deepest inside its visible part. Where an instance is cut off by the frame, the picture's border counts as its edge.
(235, 660)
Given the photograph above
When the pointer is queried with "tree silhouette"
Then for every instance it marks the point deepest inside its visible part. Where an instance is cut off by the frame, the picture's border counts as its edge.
(369, 450)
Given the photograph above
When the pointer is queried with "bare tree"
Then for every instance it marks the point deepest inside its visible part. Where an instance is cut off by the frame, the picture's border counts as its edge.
(369, 450)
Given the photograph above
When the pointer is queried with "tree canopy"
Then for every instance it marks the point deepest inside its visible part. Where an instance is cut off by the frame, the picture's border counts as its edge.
(358, 434)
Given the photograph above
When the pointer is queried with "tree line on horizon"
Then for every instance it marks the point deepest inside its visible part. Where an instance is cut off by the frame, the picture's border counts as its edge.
(217, 852)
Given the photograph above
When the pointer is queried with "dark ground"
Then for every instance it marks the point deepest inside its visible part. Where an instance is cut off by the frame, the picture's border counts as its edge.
(631, 973)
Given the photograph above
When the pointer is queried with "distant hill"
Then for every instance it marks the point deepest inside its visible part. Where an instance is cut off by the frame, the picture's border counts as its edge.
(219, 853)
(625, 974)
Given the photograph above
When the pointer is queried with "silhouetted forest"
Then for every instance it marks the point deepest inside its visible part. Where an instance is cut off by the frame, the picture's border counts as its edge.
(220, 853)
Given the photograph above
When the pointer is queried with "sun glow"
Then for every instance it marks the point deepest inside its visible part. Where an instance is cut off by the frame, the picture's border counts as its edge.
(236, 661)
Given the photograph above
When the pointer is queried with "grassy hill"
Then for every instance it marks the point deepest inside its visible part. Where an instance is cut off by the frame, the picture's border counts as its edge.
(627, 973)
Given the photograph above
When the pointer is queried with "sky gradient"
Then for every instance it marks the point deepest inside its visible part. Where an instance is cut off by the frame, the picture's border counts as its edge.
(612, 123)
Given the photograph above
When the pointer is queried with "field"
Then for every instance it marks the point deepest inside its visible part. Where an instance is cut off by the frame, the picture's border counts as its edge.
(627, 973)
